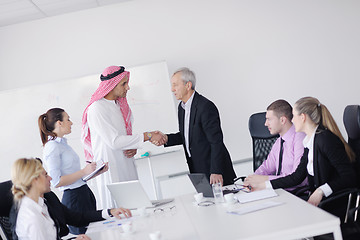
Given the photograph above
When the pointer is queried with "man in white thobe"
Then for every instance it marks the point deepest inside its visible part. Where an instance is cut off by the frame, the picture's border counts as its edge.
(107, 132)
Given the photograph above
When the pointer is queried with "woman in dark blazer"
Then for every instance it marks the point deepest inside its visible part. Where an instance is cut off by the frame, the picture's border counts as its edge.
(327, 157)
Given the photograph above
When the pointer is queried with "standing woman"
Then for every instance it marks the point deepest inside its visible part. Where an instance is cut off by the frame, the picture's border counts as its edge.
(63, 163)
(30, 182)
(327, 157)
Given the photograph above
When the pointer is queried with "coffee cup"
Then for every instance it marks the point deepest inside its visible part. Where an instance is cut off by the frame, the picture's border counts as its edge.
(230, 198)
(155, 235)
(198, 197)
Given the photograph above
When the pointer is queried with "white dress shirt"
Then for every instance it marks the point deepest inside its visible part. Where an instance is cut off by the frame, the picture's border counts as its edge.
(187, 107)
(33, 221)
(309, 143)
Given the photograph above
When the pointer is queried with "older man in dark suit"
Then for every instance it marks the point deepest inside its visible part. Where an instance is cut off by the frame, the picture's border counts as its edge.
(199, 131)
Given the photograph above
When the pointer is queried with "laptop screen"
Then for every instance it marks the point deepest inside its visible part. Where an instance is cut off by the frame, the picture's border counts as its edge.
(201, 184)
(129, 194)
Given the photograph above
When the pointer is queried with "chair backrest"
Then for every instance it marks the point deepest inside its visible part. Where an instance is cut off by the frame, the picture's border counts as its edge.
(6, 199)
(351, 120)
(5, 229)
(261, 138)
(6, 202)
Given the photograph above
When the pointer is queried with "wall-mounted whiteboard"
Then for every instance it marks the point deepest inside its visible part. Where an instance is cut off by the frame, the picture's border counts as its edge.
(150, 100)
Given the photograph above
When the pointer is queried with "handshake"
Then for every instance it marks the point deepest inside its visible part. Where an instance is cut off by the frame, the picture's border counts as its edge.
(157, 138)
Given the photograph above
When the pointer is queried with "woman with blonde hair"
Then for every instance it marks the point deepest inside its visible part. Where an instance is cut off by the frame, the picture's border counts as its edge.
(326, 161)
(30, 182)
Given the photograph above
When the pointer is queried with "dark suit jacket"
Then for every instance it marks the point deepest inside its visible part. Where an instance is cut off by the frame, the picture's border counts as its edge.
(208, 152)
(58, 212)
(331, 165)
(62, 215)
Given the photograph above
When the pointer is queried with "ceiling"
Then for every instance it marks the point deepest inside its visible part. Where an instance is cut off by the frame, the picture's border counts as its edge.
(17, 11)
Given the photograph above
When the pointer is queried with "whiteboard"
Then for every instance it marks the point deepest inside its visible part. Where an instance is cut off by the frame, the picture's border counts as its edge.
(149, 98)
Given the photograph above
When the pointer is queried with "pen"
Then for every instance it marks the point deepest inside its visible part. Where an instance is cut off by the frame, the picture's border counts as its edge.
(88, 161)
(111, 221)
(242, 178)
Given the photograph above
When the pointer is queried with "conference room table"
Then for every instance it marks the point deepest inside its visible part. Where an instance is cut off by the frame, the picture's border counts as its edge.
(293, 218)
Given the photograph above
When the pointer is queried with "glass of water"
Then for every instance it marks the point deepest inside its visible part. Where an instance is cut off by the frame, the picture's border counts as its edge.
(218, 193)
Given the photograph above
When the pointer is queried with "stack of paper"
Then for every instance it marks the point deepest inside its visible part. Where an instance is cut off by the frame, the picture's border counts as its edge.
(257, 195)
(253, 208)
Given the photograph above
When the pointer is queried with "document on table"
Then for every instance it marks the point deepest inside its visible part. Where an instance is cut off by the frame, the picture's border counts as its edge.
(107, 224)
(253, 208)
(257, 195)
(99, 166)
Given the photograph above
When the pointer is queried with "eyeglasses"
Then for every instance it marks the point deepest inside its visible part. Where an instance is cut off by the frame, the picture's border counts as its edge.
(164, 210)
(206, 203)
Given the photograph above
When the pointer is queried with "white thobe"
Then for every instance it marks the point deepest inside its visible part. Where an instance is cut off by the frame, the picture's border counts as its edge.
(109, 140)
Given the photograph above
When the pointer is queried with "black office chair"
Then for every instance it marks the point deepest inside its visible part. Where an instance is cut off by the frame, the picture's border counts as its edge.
(6, 202)
(351, 118)
(349, 198)
(261, 138)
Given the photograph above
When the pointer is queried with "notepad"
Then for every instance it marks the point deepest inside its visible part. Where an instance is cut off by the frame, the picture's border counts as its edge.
(253, 208)
(99, 166)
(257, 195)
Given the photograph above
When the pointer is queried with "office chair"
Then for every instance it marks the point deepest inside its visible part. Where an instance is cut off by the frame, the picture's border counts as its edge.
(261, 138)
(350, 223)
(351, 118)
(6, 202)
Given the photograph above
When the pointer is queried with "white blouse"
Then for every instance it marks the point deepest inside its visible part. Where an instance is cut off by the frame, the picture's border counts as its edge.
(34, 221)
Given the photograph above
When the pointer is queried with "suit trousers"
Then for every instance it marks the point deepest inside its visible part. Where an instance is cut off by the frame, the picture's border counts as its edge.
(80, 199)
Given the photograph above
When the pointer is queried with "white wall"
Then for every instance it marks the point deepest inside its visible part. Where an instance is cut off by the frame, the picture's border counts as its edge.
(245, 53)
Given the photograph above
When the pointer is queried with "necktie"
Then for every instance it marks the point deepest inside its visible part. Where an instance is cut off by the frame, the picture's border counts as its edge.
(280, 155)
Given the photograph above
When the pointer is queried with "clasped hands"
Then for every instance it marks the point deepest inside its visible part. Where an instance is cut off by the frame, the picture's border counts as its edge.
(158, 138)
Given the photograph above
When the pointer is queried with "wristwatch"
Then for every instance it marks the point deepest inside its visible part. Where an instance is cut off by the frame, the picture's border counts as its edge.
(109, 212)
(149, 135)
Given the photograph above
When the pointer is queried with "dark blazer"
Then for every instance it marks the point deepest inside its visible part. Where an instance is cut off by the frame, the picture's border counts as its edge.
(62, 215)
(331, 165)
(58, 212)
(208, 152)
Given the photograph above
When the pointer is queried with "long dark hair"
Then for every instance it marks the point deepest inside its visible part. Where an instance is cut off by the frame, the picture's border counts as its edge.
(47, 123)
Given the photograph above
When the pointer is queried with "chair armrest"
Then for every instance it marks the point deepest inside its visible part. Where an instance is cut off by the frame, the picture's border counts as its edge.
(340, 194)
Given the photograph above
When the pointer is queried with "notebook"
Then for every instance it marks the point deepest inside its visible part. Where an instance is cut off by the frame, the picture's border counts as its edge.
(99, 166)
(132, 195)
(202, 185)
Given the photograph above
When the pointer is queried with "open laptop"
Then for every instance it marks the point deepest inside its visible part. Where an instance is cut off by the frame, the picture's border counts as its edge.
(202, 185)
(132, 195)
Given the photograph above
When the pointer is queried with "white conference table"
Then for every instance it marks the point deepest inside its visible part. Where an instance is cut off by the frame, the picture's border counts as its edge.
(295, 219)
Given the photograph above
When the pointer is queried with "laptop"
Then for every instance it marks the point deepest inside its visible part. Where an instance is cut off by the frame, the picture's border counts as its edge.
(132, 195)
(202, 185)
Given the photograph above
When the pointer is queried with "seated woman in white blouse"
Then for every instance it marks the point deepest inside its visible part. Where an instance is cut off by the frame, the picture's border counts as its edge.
(30, 182)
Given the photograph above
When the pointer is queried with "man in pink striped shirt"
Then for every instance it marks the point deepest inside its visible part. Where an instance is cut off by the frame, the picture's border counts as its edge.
(280, 163)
